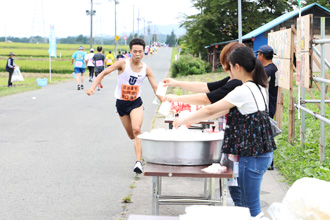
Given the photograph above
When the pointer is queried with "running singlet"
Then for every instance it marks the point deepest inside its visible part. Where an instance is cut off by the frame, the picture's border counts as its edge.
(129, 83)
(79, 57)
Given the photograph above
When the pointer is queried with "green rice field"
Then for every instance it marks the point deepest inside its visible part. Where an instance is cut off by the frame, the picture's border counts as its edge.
(34, 58)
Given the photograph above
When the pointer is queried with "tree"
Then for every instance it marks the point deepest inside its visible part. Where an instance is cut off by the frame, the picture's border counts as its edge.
(171, 39)
(325, 3)
(217, 20)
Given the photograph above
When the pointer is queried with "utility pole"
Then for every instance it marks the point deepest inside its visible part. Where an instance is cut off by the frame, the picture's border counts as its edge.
(239, 21)
(154, 37)
(116, 27)
(144, 29)
(133, 21)
(149, 22)
(91, 13)
(139, 19)
(116, 2)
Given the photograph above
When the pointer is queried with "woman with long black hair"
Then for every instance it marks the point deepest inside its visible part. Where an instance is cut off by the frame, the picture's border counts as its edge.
(248, 133)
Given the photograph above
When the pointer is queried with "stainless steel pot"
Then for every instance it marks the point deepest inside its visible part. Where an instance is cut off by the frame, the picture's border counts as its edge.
(181, 152)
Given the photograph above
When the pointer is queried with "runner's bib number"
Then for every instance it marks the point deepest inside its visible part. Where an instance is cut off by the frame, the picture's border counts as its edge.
(129, 92)
(99, 63)
(79, 63)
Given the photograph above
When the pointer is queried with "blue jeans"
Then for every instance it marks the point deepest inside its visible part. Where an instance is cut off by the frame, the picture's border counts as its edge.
(251, 171)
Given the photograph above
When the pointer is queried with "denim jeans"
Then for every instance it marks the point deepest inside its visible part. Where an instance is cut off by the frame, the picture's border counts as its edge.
(251, 171)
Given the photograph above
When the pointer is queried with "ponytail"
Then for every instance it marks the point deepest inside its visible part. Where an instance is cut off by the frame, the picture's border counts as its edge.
(245, 57)
(259, 76)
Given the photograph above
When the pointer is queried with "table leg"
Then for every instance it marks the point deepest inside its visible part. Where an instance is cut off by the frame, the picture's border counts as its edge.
(160, 186)
(155, 204)
(212, 183)
(170, 125)
(205, 187)
(224, 191)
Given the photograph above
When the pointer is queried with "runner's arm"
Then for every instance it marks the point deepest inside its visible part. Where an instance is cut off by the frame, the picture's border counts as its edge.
(120, 65)
(197, 87)
(152, 82)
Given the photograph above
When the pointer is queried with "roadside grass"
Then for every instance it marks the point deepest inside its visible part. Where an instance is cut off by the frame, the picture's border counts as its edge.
(29, 83)
(292, 160)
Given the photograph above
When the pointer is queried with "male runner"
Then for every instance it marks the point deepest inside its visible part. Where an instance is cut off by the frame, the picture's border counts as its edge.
(131, 73)
(98, 61)
(79, 66)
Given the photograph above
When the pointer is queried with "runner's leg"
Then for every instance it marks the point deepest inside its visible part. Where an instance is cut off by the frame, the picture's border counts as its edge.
(136, 116)
(77, 78)
(82, 76)
(126, 121)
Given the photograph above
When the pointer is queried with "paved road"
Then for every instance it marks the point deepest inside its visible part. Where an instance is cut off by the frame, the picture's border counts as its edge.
(64, 155)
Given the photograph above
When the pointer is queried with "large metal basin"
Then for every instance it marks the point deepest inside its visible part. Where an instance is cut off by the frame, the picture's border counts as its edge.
(175, 152)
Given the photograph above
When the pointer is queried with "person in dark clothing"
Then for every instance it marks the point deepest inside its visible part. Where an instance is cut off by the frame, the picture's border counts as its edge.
(10, 66)
(120, 56)
(265, 55)
(98, 61)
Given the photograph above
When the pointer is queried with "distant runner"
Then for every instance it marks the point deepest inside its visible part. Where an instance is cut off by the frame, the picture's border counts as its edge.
(98, 61)
(90, 64)
(79, 66)
(109, 59)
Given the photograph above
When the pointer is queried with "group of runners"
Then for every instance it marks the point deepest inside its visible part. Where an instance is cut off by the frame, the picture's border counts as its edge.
(152, 49)
(95, 62)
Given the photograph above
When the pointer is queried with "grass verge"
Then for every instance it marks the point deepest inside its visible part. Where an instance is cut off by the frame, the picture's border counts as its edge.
(29, 83)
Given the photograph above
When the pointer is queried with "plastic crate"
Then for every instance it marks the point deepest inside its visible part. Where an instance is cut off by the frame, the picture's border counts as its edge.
(42, 82)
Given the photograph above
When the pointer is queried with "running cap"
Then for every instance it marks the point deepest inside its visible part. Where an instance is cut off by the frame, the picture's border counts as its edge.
(11, 53)
(81, 48)
(91, 50)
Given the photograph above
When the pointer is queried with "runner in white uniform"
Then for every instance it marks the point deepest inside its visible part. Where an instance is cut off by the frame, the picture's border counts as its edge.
(131, 73)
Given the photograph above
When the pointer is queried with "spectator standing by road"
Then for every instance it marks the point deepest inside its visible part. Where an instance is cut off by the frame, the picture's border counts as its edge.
(265, 55)
(10, 66)
(98, 61)
(90, 64)
(79, 66)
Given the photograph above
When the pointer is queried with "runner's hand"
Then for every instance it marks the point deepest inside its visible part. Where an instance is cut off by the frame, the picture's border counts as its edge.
(170, 82)
(90, 91)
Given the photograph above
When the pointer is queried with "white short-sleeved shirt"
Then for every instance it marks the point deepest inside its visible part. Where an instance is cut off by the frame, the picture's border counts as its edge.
(243, 99)
(89, 58)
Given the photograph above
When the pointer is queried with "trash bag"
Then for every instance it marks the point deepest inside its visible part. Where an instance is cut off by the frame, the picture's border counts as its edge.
(17, 75)
(307, 198)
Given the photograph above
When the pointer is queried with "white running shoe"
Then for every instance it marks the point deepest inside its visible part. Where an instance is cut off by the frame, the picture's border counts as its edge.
(138, 167)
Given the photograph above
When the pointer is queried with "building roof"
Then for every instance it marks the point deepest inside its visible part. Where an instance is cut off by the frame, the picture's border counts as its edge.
(274, 23)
